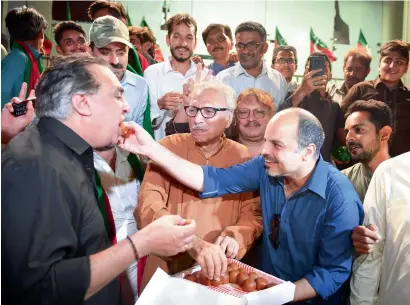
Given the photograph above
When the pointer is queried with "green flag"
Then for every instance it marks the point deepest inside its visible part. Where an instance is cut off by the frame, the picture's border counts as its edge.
(144, 23)
(68, 11)
(362, 42)
(279, 40)
(129, 23)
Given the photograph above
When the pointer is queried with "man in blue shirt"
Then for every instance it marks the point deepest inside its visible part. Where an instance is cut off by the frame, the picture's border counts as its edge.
(309, 208)
(219, 42)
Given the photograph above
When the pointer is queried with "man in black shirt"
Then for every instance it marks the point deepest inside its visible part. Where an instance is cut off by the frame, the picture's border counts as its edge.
(55, 249)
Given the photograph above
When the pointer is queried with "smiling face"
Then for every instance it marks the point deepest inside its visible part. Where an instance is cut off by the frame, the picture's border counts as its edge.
(182, 42)
(252, 117)
(392, 67)
(363, 141)
(218, 44)
(71, 42)
(250, 59)
(208, 130)
(285, 63)
(280, 151)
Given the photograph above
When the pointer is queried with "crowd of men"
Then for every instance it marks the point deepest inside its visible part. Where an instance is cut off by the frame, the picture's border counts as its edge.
(120, 149)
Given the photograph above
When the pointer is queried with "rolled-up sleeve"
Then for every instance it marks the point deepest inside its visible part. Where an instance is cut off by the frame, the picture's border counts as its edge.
(39, 240)
(335, 255)
(235, 179)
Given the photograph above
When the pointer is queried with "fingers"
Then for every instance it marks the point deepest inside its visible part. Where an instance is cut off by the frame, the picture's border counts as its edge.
(366, 235)
(230, 249)
(32, 93)
(209, 76)
(209, 265)
(309, 74)
(23, 90)
(198, 74)
(225, 244)
(219, 240)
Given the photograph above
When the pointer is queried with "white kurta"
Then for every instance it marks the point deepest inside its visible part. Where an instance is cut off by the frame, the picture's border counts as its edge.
(383, 277)
(122, 190)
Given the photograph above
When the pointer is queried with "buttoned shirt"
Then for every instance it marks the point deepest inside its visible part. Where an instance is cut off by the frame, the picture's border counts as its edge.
(216, 68)
(315, 227)
(268, 80)
(136, 95)
(399, 102)
(161, 79)
(51, 222)
(13, 67)
(383, 276)
(337, 92)
(122, 189)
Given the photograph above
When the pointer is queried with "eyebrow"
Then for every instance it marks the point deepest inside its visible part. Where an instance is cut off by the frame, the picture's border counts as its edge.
(119, 89)
(355, 126)
(108, 49)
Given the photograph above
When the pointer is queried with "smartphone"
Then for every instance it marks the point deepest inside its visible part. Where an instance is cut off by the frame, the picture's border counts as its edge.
(317, 62)
(21, 108)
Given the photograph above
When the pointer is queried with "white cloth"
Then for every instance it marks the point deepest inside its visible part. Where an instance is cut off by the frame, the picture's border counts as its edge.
(122, 190)
(269, 80)
(383, 277)
(136, 95)
(161, 79)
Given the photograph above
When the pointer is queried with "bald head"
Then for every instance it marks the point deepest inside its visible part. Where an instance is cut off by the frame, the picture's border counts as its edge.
(297, 124)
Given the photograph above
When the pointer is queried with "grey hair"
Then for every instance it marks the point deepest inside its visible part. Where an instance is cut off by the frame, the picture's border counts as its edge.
(65, 77)
(310, 131)
(221, 89)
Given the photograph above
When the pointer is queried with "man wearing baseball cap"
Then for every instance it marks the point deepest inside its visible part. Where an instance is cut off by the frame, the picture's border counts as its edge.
(109, 39)
(119, 172)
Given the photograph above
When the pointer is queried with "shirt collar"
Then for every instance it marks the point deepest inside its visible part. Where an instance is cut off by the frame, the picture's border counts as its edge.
(378, 82)
(317, 181)
(65, 134)
(168, 67)
(35, 52)
(342, 88)
(126, 79)
(238, 70)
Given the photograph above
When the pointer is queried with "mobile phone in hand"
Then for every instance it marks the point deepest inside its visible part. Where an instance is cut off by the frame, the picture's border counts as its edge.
(21, 108)
(317, 62)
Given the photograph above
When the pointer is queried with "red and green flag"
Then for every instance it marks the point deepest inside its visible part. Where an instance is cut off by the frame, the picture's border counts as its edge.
(279, 40)
(362, 42)
(159, 57)
(317, 45)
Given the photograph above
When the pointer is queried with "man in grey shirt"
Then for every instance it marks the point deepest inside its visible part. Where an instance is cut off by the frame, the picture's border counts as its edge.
(368, 128)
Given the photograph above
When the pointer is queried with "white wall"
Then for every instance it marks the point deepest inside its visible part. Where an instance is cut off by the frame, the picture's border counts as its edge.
(293, 19)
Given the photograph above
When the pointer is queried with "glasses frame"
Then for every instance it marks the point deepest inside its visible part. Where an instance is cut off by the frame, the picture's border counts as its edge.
(274, 228)
(246, 46)
(286, 61)
(253, 111)
(200, 110)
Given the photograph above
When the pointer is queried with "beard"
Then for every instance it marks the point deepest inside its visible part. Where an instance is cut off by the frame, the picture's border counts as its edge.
(249, 61)
(174, 53)
(118, 70)
(367, 154)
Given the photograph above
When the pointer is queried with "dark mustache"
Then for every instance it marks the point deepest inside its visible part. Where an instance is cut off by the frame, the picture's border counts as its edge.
(350, 144)
(245, 56)
(218, 48)
(253, 124)
(269, 158)
(117, 66)
(185, 48)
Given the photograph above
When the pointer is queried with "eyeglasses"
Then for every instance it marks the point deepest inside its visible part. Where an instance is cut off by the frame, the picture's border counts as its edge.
(274, 229)
(251, 46)
(282, 61)
(245, 113)
(207, 112)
